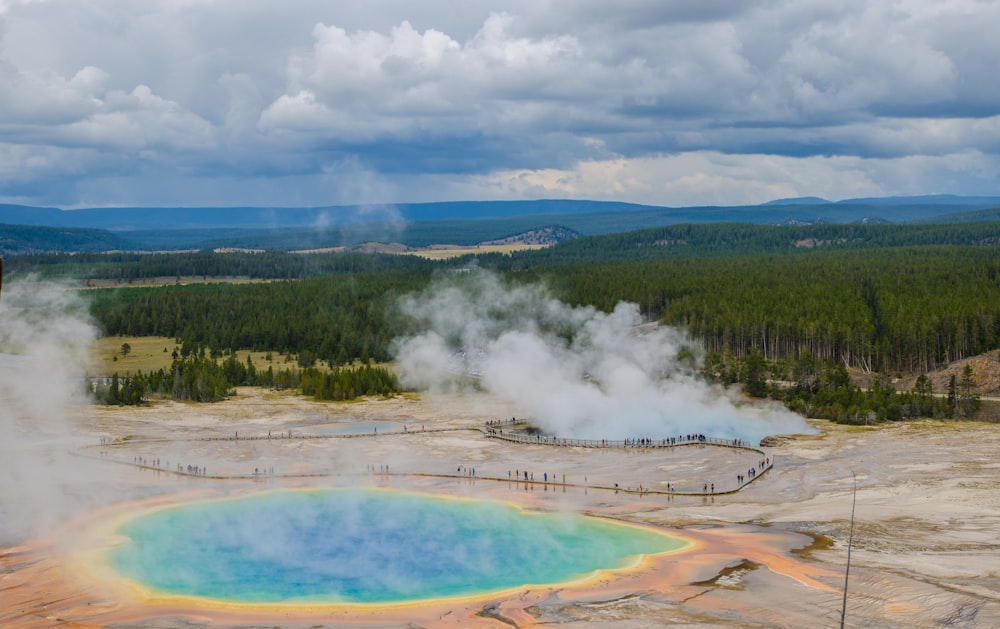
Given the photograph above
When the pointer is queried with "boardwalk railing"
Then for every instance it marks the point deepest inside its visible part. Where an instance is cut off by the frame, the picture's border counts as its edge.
(489, 431)
(520, 437)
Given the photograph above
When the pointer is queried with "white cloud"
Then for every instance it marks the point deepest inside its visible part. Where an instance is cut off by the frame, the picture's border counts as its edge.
(28, 100)
(363, 61)
(863, 59)
(141, 120)
(638, 101)
(300, 111)
(711, 178)
(6, 5)
(426, 78)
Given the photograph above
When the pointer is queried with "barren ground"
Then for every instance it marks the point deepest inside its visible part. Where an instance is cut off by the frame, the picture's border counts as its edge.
(770, 555)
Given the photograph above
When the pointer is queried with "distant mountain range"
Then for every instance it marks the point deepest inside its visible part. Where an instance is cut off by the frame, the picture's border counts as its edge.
(809, 209)
(144, 218)
(420, 224)
(940, 200)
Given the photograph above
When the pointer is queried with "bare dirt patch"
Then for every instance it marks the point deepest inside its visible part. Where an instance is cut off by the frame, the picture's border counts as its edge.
(171, 280)
(445, 252)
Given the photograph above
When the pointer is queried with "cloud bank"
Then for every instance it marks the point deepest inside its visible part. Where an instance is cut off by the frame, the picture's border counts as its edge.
(574, 370)
(247, 102)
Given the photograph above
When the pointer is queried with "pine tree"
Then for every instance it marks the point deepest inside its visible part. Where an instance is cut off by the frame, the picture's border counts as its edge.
(952, 396)
(968, 401)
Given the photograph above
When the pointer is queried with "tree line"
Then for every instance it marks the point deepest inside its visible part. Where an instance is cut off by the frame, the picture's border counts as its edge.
(128, 267)
(824, 389)
(338, 318)
(895, 309)
(676, 242)
(883, 299)
(668, 242)
(892, 309)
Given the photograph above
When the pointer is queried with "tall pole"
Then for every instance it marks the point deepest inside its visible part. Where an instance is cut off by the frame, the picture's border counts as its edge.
(850, 542)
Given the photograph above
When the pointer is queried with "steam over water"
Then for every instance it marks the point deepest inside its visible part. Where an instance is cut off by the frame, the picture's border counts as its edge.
(45, 337)
(576, 371)
(367, 546)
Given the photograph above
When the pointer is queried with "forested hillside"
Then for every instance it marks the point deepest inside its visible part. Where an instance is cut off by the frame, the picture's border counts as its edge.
(25, 240)
(741, 239)
(900, 309)
(129, 267)
(671, 242)
(419, 225)
(797, 304)
(336, 318)
(874, 307)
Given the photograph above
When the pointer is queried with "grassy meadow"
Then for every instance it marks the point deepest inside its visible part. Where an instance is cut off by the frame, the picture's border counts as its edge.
(150, 353)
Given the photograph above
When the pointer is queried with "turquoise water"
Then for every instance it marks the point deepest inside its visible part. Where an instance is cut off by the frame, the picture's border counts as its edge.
(366, 547)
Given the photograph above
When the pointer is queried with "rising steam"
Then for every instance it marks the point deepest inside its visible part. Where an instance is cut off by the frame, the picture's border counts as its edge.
(576, 371)
(45, 336)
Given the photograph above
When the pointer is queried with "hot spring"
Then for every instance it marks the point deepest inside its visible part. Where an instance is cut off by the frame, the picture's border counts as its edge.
(367, 546)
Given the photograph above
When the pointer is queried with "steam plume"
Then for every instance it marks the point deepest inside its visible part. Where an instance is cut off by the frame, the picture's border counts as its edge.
(45, 336)
(576, 371)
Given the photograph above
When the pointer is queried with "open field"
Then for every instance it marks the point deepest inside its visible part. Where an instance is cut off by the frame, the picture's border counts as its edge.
(183, 280)
(769, 555)
(151, 353)
(444, 252)
(434, 252)
(148, 353)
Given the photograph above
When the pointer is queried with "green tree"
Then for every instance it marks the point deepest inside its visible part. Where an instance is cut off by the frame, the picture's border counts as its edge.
(952, 395)
(923, 393)
(755, 376)
(114, 390)
(306, 358)
(968, 401)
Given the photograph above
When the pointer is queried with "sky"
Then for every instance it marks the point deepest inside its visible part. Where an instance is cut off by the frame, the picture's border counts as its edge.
(664, 102)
